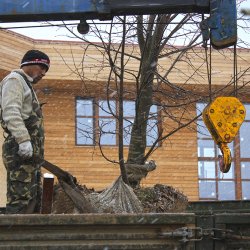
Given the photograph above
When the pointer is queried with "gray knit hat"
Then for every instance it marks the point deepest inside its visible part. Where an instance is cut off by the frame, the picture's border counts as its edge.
(35, 57)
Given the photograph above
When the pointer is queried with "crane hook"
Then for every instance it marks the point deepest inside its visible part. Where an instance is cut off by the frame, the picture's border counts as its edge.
(225, 159)
(223, 118)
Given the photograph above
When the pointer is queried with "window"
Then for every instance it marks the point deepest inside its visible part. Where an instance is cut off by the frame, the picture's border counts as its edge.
(213, 184)
(245, 155)
(84, 121)
(96, 123)
(107, 123)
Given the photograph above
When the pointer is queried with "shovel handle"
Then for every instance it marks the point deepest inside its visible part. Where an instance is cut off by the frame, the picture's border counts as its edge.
(59, 173)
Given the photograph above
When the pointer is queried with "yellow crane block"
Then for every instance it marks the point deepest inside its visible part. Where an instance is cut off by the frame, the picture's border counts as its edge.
(223, 118)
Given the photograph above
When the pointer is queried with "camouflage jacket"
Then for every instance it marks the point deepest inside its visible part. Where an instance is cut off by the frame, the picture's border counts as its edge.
(16, 104)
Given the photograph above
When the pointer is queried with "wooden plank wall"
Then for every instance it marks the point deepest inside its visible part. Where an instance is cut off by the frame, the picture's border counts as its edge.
(66, 56)
(176, 159)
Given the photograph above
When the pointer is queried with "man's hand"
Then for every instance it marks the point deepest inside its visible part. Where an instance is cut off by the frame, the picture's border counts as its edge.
(25, 150)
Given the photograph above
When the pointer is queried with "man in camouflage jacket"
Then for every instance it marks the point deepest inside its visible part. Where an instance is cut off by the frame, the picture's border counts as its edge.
(22, 121)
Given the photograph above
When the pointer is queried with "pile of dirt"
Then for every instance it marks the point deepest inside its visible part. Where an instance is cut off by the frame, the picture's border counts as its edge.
(157, 199)
(62, 203)
(161, 199)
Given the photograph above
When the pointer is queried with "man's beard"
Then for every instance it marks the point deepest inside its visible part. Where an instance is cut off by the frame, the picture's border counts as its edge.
(36, 80)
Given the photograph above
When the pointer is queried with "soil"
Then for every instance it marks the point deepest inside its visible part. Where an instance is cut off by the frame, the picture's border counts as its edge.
(156, 199)
(161, 199)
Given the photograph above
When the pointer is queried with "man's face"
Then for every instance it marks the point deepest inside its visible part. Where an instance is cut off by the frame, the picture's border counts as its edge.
(37, 72)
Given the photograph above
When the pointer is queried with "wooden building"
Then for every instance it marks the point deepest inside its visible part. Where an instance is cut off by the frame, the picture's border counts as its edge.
(179, 159)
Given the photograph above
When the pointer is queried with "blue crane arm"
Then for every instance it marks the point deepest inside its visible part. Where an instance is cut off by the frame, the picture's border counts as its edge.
(42, 10)
(221, 26)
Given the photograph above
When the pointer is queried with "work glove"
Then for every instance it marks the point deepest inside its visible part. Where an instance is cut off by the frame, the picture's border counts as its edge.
(25, 150)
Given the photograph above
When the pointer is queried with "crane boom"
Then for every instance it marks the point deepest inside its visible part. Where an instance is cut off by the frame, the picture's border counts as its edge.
(221, 26)
(41, 10)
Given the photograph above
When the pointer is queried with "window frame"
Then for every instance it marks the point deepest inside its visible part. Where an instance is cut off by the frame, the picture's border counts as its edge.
(96, 118)
(79, 116)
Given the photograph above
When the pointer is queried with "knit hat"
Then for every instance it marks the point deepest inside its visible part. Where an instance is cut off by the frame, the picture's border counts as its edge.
(35, 57)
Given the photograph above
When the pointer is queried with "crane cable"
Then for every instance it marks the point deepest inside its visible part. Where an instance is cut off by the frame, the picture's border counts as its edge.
(209, 70)
(209, 65)
(235, 72)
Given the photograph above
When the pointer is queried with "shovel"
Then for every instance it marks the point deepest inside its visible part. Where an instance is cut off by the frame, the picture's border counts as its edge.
(69, 185)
